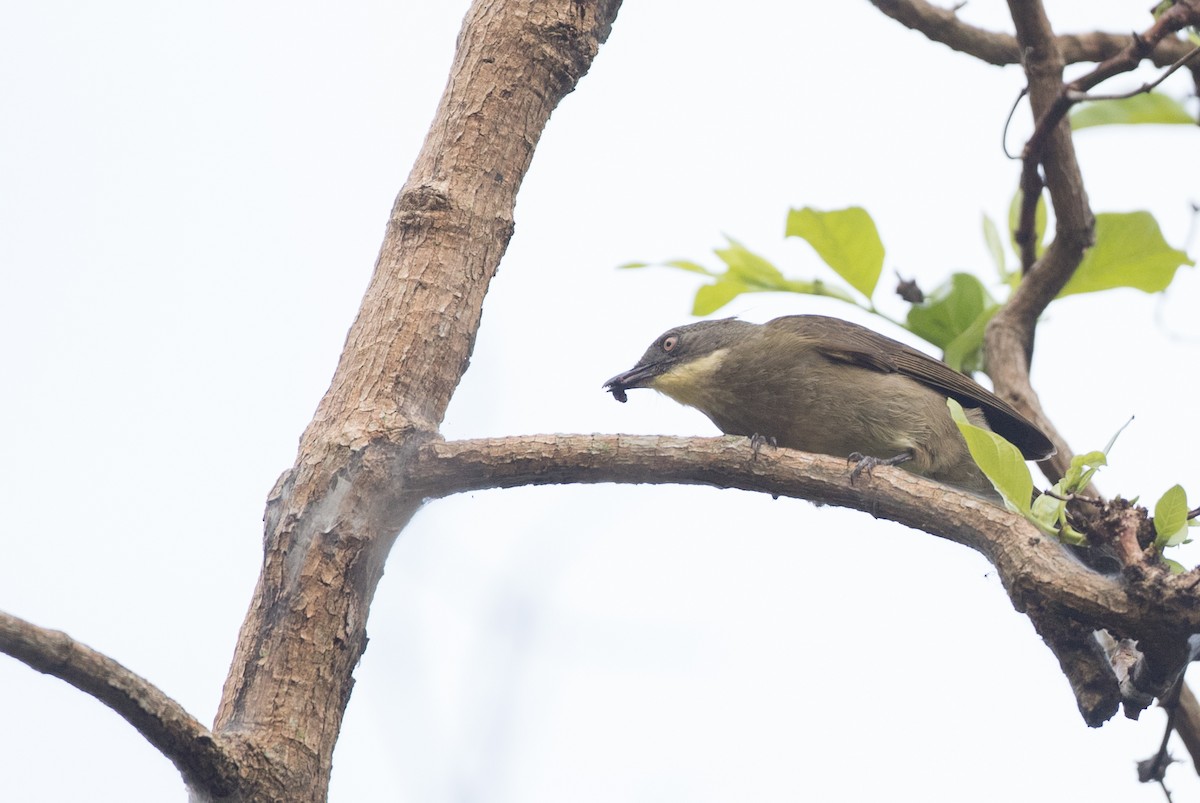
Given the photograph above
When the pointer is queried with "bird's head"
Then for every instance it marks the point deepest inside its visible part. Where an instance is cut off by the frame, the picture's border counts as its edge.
(680, 360)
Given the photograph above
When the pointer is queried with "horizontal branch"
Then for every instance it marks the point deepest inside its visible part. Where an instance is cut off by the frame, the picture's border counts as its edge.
(1066, 600)
(165, 724)
(1034, 569)
(943, 25)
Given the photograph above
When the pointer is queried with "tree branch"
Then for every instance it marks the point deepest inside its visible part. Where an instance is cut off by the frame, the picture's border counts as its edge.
(1050, 118)
(943, 25)
(1066, 601)
(1034, 568)
(332, 517)
(1098, 693)
(1010, 334)
(1186, 719)
(180, 737)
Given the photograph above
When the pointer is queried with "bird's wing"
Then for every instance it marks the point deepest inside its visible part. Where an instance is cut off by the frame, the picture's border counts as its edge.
(849, 343)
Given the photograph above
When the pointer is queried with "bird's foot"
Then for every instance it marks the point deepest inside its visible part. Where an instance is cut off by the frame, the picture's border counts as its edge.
(866, 464)
(758, 441)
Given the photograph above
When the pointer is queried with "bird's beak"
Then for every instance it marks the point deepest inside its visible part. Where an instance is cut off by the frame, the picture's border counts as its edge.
(636, 377)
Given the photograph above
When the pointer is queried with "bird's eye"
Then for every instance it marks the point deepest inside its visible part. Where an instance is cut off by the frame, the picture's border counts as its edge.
(670, 343)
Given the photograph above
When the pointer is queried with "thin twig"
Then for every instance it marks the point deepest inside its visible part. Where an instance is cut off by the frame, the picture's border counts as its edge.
(1008, 122)
(1091, 500)
(1078, 97)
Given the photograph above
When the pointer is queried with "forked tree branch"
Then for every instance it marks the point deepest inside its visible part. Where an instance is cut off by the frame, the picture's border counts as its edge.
(943, 25)
(162, 721)
(1010, 335)
(1049, 119)
(366, 464)
(332, 518)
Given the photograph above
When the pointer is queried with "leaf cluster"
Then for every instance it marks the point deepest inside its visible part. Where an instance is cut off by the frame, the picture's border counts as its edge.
(1003, 465)
(1130, 251)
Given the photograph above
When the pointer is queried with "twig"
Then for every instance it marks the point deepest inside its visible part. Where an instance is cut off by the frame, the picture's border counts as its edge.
(162, 721)
(1078, 97)
(1008, 122)
(1090, 500)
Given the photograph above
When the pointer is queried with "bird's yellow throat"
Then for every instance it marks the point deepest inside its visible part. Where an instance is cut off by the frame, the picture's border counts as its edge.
(688, 383)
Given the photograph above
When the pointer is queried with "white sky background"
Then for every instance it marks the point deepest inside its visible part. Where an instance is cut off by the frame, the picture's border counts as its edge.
(191, 201)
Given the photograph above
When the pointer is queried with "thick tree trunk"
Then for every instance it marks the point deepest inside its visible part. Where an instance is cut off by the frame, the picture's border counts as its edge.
(333, 517)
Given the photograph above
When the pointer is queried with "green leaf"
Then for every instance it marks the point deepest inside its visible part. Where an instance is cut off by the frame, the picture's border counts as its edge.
(1170, 518)
(1048, 513)
(1083, 467)
(1129, 252)
(749, 267)
(688, 265)
(1000, 461)
(995, 246)
(1117, 434)
(681, 264)
(1147, 107)
(846, 239)
(954, 318)
(1039, 221)
(747, 272)
(1175, 566)
(965, 352)
(819, 288)
(711, 297)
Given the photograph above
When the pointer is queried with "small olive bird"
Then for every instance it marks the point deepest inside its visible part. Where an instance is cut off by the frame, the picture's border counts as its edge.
(824, 385)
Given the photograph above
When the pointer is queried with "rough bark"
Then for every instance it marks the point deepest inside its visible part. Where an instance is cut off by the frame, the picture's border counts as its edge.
(372, 454)
(1035, 569)
(333, 517)
(162, 721)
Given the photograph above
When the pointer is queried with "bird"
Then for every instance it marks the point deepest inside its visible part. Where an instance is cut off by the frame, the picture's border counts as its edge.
(822, 384)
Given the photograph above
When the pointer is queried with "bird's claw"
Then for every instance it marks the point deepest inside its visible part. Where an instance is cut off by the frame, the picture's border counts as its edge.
(758, 441)
(866, 464)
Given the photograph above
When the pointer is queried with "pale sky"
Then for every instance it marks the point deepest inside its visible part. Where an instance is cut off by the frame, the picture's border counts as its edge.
(191, 200)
